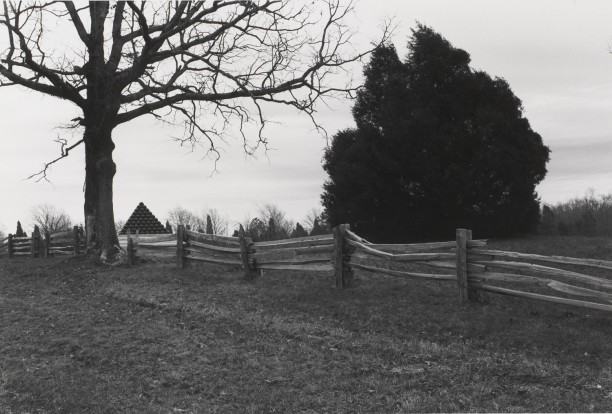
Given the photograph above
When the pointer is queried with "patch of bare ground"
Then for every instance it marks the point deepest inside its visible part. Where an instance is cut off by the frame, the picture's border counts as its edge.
(81, 338)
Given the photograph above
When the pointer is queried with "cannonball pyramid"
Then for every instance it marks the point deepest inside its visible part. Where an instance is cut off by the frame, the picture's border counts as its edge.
(144, 221)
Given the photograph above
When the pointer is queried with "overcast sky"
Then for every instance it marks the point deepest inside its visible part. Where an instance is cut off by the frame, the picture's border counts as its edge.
(555, 54)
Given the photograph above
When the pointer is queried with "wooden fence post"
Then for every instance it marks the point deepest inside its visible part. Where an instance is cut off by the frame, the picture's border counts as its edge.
(75, 239)
(473, 293)
(38, 246)
(35, 243)
(130, 249)
(245, 243)
(10, 246)
(466, 293)
(347, 250)
(338, 258)
(47, 244)
(82, 240)
(180, 235)
(462, 277)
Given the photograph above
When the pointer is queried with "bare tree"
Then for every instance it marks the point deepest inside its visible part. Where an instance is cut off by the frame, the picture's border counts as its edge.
(312, 215)
(220, 223)
(245, 223)
(180, 62)
(50, 219)
(119, 225)
(180, 215)
(269, 214)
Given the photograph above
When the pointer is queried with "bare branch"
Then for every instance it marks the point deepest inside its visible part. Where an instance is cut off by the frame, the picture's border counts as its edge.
(24, 61)
(77, 22)
(65, 151)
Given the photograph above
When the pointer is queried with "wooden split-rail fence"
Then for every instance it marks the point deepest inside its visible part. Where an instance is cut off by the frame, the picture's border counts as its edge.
(464, 262)
(71, 242)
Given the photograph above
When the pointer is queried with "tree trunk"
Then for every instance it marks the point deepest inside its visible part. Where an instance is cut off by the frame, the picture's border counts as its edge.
(102, 106)
(99, 173)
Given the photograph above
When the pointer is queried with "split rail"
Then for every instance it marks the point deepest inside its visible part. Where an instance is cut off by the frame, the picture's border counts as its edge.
(556, 279)
(476, 269)
(71, 242)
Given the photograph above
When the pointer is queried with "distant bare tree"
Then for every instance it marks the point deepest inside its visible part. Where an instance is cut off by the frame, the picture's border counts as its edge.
(312, 215)
(584, 216)
(2, 231)
(220, 223)
(180, 215)
(270, 213)
(50, 219)
(245, 223)
(119, 225)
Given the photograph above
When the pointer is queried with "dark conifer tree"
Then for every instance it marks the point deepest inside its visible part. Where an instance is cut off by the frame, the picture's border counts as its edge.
(271, 233)
(257, 230)
(317, 228)
(438, 145)
(209, 226)
(298, 231)
(20, 232)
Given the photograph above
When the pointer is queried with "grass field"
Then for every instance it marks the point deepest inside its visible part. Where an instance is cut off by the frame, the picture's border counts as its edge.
(80, 338)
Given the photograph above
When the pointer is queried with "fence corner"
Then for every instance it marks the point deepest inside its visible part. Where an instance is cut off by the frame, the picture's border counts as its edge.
(180, 237)
(10, 246)
(130, 249)
(46, 244)
(245, 242)
(343, 275)
(35, 243)
(75, 238)
(467, 293)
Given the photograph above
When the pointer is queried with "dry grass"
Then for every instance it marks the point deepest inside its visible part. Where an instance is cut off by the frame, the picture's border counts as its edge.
(78, 338)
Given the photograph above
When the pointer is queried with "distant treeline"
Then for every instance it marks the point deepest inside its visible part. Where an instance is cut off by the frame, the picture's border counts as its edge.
(590, 215)
(270, 223)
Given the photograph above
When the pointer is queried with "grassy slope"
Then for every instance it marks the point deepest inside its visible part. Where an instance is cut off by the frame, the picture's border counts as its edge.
(80, 338)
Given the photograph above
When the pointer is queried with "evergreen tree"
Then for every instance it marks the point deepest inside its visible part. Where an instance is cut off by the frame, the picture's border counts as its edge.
(20, 232)
(209, 226)
(257, 230)
(317, 229)
(437, 146)
(168, 227)
(298, 231)
(271, 233)
(547, 223)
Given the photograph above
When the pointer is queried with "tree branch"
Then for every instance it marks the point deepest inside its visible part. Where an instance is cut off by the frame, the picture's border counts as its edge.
(42, 174)
(77, 22)
(178, 60)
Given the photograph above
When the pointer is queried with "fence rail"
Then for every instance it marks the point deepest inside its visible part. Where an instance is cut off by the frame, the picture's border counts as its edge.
(514, 274)
(69, 242)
